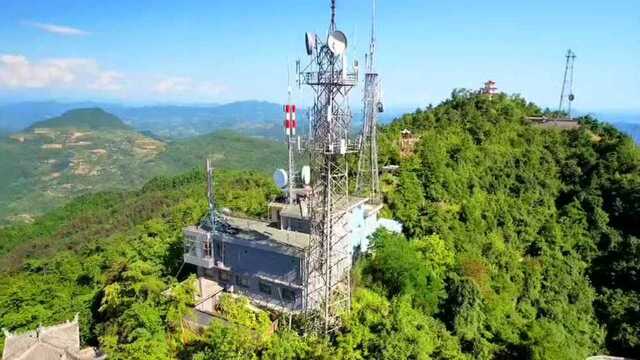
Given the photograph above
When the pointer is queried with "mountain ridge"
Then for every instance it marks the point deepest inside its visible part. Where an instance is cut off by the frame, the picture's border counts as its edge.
(89, 150)
(94, 118)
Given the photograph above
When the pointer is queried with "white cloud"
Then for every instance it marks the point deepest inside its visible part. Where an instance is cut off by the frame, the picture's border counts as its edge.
(179, 85)
(173, 85)
(211, 89)
(17, 71)
(108, 81)
(57, 29)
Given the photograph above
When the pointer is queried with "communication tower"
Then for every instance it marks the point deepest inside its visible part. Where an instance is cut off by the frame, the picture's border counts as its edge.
(367, 177)
(566, 94)
(328, 261)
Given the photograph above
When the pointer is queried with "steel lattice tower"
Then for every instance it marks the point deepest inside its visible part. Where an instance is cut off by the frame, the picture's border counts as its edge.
(328, 261)
(367, 177)
(567, 84)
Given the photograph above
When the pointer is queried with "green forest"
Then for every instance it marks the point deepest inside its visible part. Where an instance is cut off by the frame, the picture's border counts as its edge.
(519, 242)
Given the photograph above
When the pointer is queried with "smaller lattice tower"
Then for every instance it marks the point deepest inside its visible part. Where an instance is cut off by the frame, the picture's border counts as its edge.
(211, 196)
(290, 126)
(367, 177)
(566, 94)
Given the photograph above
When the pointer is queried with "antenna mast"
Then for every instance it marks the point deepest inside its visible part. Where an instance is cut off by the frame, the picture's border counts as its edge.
(290, 128)
(328, 259)
(367, 177)
(567, 84)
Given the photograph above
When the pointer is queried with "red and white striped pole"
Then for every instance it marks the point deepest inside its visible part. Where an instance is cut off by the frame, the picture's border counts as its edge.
(290, 123)
(294, 123)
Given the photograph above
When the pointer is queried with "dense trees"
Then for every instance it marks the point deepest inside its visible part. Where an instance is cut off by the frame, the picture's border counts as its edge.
(519, 243)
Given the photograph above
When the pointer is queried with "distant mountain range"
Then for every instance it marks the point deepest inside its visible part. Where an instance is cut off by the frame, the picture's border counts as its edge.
(88, 150)
(252, 118)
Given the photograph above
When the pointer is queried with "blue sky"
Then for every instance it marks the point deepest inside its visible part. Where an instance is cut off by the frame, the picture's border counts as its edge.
(220, 51)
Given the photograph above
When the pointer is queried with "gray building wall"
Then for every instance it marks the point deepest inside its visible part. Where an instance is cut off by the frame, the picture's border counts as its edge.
(269, 277)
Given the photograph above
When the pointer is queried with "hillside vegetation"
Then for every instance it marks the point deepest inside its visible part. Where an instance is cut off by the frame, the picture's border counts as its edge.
(89, 150)
(520, 243)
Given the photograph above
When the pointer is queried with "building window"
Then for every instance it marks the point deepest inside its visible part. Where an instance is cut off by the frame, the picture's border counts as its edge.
(242, 281)
(288, 295)
(264, 288)
(207, 248)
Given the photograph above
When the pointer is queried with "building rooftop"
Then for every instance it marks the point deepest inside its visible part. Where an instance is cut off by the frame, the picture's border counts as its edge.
(262, 233)
(58, 342)
(299, 211)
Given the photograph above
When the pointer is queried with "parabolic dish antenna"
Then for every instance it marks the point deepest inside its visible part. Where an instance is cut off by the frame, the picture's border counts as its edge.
(305, 174)
(337, 42)
(311, 42)
(280, 178)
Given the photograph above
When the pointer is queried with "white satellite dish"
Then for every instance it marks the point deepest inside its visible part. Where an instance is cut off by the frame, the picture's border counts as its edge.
(280, 178)
(305, 174)
(310, 40)
(337, 42)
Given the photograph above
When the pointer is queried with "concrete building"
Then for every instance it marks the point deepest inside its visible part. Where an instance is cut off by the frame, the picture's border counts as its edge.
(563, 123)
(265, 261)
(58, 342)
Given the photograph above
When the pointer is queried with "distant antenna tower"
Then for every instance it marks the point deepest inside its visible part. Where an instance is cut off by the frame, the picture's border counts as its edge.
(211, 196)
(367, 177)
(290, 125)
(566, 95)
(328, 261)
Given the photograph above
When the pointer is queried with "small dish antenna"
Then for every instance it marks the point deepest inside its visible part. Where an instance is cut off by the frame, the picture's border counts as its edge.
(337, 42)
(305, 174)
(280, 178)
(311, 41)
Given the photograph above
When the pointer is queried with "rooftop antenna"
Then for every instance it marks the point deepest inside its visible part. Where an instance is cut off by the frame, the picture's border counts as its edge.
(327, 293)
(367, 177)
(567, 84)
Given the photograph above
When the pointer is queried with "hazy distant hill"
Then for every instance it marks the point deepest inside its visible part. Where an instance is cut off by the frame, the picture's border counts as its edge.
(254, 118)
(88, 150)
(18, 116)
(633, 129)
(628, 122)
